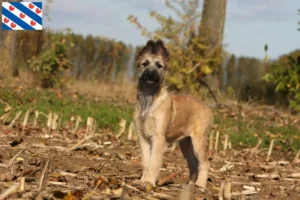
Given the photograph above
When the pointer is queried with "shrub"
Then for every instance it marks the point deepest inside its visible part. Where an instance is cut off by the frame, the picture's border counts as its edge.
(50, 64)
(287, 79)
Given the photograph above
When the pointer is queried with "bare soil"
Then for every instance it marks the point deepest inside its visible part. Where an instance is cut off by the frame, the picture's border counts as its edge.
(41, 166)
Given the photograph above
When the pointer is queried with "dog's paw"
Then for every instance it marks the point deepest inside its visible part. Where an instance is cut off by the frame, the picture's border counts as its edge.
(143, 185)
(202, 189)
(149, 180)
(148, 186)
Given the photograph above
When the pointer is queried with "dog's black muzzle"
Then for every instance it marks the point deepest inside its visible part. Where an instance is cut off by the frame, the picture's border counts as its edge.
(150, 77)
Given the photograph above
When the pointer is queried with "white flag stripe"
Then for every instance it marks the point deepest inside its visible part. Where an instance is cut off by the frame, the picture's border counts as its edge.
(26, 19)
(33, 10)
(8, 24)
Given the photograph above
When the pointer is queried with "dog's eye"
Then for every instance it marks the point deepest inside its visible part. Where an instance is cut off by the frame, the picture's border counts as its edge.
(158, 65)
(145, 64)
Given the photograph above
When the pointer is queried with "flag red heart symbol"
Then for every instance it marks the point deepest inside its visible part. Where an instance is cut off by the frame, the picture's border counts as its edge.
(32, 23)
(38, 11)
(13, 25)
(11, 8)
(31, 6)
(6, 20)
(22, 15)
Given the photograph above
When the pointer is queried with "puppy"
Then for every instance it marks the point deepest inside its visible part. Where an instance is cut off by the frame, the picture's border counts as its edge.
(161, 118)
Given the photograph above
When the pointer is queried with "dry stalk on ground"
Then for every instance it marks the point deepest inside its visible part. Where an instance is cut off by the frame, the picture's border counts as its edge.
(36, 115)
(225, 144)
(15, 119)
(44, 176)
(130, 132)
(26, 118)
(270, 150)
(217, 142)
(49, 122)
(122, 128)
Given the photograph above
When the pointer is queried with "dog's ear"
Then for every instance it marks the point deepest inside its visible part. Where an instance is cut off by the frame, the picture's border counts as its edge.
(162, 50)
(149, 47)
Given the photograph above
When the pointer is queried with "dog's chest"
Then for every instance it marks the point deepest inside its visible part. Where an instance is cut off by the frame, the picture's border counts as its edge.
(151, 121)
(148, 124)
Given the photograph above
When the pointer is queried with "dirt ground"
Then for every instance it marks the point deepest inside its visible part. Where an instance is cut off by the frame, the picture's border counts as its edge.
(37, 165)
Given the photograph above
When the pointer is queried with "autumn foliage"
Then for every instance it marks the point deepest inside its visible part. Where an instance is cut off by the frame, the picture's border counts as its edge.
(285, 74)
(287, 80)
(50, 64)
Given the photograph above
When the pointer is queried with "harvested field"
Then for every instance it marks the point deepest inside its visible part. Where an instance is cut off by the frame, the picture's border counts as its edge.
(40, 163)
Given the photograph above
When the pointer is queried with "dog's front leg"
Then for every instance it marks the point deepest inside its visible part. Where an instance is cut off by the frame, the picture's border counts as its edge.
(145, 150)
(158, 145)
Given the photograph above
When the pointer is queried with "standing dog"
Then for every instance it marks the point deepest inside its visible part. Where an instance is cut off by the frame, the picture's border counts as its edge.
(162, 118)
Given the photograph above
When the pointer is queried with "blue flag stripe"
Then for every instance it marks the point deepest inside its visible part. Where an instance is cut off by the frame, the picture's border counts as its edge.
(38, 4)
(5, 27)
(17, 20)
(27, 12)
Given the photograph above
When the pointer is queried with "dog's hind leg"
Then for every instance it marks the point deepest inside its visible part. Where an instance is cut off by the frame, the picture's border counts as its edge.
(187, 150)
(199, 141)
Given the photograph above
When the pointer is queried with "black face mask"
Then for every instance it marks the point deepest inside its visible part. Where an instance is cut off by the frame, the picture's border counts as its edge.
(150, 77)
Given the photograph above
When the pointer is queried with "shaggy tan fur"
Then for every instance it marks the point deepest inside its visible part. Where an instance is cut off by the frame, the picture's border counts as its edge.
(162, 118)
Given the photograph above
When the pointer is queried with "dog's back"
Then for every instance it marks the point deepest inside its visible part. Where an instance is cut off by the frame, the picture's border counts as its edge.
(187, 115)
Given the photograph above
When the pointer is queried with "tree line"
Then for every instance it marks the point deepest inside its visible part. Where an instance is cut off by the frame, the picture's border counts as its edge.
(90, 56)
(242, 78)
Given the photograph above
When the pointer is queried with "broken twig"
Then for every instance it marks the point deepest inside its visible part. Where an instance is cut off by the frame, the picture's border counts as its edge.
(168, 178)
(15, 119)
(270, 150)
(44, 176)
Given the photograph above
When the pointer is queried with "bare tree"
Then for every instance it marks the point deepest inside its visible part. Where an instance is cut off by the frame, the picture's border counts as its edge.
(212, 28)
(8, 42)
(212, 21)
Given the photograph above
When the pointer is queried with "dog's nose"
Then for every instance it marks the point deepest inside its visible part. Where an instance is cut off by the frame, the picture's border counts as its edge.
(150, 73)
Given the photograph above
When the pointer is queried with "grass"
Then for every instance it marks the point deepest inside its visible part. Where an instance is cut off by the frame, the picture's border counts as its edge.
(106, 113)
(247, 132)
(244, 131)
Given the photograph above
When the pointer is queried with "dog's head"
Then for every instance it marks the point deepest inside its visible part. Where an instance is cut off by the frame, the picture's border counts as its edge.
(152, 63)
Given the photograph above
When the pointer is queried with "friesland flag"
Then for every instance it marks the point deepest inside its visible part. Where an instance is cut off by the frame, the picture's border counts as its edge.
(22, 16)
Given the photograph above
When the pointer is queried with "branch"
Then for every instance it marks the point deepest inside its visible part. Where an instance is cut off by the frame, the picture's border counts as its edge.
(168, 178)
(209, 89)
(209, 52)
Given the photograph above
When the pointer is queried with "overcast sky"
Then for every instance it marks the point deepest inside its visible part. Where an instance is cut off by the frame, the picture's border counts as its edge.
(250, 24)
